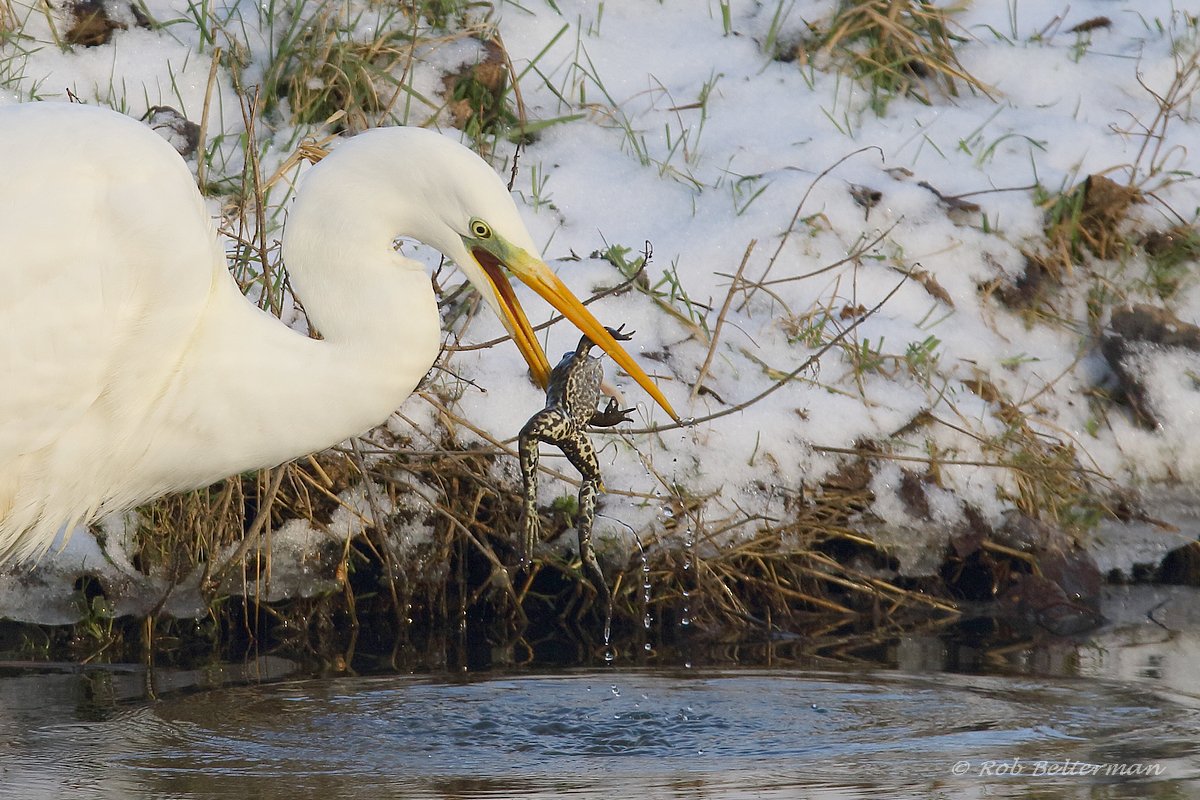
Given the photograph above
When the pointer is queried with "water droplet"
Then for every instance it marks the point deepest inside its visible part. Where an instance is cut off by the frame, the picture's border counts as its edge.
(685, 621)
(615, 691)
(687, 665)
(647, 647)
(646, 620)
(609, 653)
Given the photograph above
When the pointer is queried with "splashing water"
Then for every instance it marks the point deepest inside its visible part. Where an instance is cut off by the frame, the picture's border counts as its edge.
(646, 618)
(689, 556)
(610, 652)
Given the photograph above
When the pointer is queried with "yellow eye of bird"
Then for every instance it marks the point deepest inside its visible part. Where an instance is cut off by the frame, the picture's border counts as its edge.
(480, 229)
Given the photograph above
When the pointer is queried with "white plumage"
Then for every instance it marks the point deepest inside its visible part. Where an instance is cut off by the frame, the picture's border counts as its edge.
(132, 365)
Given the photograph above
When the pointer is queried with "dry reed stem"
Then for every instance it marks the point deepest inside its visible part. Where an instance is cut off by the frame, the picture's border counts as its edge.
(716, 335)
(202, 137)
(873, 455)
(785, 379)
(250, 538)
(1182, 89)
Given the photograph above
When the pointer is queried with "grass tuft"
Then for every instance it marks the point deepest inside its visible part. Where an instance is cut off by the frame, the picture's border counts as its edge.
(895, 47)
(1090, 218)
(324, 68)
(478, 96)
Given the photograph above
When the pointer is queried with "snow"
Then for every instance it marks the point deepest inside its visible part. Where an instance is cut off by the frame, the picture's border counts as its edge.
(647, 163)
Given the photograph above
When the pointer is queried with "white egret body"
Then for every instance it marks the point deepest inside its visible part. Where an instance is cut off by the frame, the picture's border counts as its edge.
(132, 365)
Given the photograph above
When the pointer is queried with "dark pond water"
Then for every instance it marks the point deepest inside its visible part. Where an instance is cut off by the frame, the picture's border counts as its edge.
(1113, 715)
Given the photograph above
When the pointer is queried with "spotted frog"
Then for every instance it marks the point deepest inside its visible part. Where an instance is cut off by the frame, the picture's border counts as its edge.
(571, 406)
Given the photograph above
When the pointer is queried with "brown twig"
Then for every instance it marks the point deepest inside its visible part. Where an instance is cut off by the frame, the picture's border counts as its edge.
(808, 362)
(796, 217)
(875, 455)
(712, 345)
(522, 114)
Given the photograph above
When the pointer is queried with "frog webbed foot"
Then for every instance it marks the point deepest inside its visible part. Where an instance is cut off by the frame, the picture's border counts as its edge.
(612, 415)
(586, 344)
(619, 334)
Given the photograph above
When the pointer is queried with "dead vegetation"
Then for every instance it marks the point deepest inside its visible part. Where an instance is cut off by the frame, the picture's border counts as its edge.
(328, 72)
(401, 595)
(1103, 218)
(477, 95)
(894, 47)
(454, 588)
(813, 573)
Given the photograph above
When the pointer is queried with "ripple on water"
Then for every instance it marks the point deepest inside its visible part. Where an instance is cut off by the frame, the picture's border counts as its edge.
(595, 734)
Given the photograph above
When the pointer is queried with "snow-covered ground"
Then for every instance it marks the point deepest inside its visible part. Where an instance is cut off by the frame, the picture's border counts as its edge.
(729, 162)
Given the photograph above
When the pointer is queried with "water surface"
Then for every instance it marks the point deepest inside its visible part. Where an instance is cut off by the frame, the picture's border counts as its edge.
(1117, 718)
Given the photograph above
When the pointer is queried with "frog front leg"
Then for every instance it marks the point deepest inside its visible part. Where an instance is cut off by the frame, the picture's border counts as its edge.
(612, 415)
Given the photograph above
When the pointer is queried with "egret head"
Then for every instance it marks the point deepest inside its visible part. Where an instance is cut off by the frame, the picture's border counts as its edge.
(489, 240)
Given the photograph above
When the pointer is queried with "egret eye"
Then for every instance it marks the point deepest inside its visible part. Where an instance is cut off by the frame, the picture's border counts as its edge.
(480, 229)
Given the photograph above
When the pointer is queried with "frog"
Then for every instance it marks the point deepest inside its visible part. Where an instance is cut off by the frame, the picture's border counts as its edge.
(572, 398)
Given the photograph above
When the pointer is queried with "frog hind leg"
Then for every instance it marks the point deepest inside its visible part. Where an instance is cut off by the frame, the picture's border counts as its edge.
(547, 425)
(581, 454)
(587, 553)
(579, 451)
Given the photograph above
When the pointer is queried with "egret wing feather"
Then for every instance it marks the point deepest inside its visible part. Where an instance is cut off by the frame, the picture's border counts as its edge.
(108, 259)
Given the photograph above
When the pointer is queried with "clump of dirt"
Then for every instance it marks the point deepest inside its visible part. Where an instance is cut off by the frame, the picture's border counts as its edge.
(1093, 221)
(94, 21)
(181, 132)
(1133, 330)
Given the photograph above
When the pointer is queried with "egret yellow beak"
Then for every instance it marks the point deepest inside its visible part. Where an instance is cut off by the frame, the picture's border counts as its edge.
(491, 254)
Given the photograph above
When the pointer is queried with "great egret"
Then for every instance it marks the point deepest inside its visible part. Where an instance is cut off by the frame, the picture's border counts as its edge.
(131, 364)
